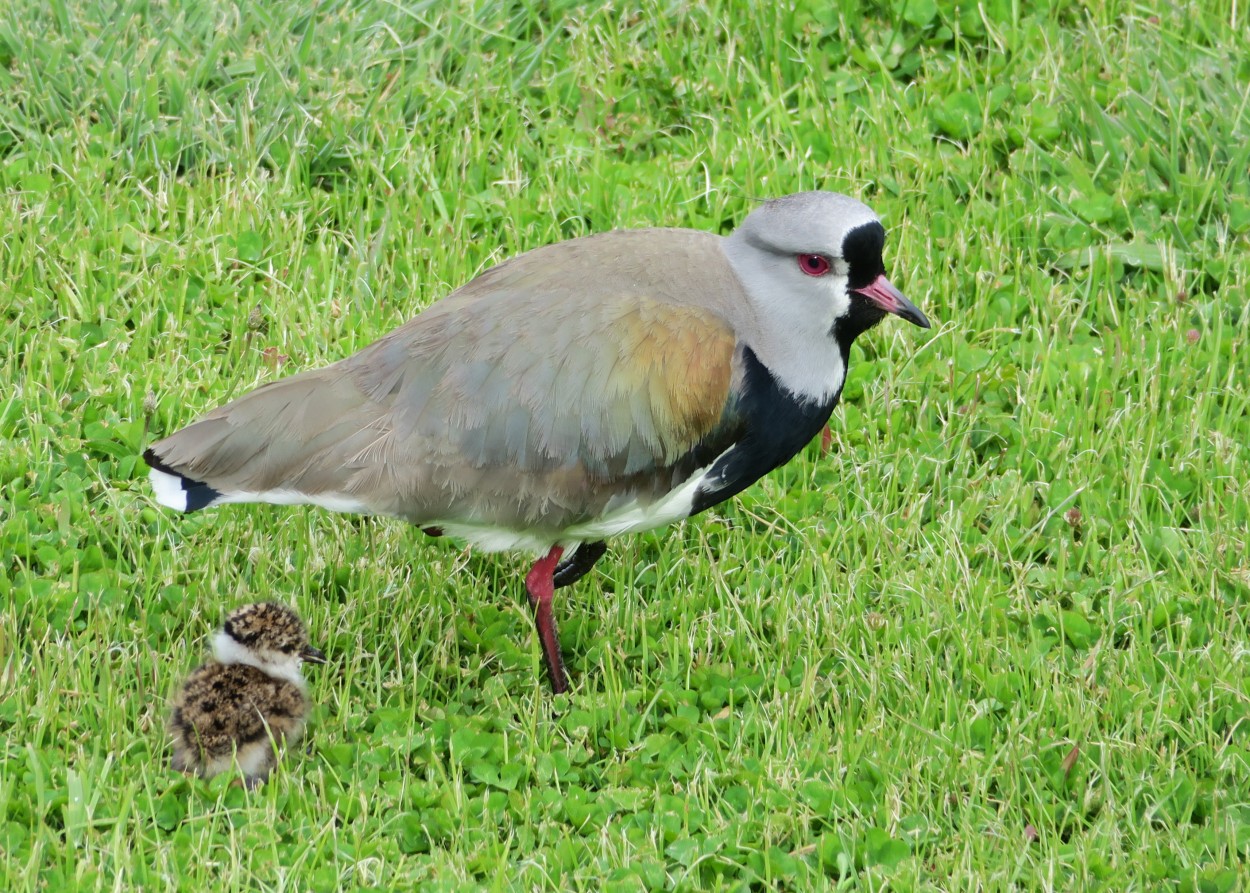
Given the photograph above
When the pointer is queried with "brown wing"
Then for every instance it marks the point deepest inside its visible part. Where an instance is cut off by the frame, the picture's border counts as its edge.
(531, 396)
(224, 706)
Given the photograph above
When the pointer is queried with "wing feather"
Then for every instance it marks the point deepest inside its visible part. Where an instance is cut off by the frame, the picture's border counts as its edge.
(534, 396)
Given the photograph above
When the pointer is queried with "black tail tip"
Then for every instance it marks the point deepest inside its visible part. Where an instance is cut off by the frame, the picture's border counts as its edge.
(199, 495)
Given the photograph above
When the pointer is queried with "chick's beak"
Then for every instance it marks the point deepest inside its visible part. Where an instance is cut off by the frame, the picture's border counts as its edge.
(881, 291)
(311, 655)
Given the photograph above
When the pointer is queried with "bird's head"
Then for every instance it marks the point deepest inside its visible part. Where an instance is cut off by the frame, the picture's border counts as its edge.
(268, 636)
(810, 265)
(820, 255)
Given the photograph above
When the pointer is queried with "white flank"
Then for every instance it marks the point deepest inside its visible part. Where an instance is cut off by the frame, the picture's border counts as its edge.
(630, 516)
(168, 490)
(335, 502)
(490, 538)
(633, 516)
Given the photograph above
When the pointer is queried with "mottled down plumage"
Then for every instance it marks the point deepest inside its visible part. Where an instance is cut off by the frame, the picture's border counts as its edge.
(250, 701)
(229, 711)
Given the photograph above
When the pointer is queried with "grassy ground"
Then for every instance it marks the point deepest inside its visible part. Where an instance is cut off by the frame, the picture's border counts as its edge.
(997, 639)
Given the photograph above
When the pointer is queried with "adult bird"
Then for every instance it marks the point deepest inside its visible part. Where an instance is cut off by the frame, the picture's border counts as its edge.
(594, 387)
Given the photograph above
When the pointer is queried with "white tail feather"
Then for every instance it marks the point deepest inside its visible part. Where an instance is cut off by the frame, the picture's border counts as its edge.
(168, 490)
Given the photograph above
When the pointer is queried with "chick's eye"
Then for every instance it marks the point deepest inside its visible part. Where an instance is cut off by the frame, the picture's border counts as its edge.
(813, 264)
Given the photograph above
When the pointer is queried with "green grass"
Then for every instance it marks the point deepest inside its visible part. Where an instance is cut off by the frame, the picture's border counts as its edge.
(997, 639)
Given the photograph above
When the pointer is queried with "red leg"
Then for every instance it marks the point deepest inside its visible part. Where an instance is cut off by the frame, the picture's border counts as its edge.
(541, 588)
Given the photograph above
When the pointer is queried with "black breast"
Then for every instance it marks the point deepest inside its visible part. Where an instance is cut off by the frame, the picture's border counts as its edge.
(775, 425)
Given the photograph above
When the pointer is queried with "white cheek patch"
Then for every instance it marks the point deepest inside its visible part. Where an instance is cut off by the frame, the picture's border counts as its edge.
(229, 650)
(841, 299)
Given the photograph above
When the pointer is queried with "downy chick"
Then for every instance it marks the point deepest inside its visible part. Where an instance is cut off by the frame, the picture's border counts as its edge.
(250, 700)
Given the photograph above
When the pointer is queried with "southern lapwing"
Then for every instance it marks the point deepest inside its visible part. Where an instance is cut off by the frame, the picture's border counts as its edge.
(594, 387)
(249, 701)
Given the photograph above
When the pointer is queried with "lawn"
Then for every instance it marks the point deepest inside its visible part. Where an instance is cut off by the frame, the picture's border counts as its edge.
(997, 638)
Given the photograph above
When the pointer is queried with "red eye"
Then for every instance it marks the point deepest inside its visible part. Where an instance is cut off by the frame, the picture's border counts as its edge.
(813, 264)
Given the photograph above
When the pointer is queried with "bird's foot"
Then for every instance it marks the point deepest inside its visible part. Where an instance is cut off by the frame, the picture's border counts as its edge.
(577, 565)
